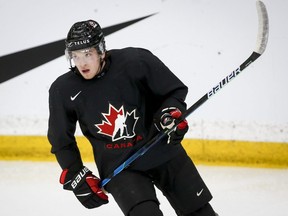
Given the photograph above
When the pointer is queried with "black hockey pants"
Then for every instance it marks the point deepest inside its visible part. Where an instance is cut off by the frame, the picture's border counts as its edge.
(179, 181)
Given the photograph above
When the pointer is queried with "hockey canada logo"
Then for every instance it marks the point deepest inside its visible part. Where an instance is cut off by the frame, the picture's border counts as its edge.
(118, 124)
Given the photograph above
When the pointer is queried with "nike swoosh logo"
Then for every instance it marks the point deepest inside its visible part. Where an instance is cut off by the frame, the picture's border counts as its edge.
(200, 192)
(74, 97)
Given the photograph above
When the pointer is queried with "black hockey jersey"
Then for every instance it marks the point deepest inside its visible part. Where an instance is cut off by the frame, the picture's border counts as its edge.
(115, 110)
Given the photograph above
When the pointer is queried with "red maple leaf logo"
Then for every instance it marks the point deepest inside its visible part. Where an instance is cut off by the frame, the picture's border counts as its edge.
(107, 127)
(117, 123)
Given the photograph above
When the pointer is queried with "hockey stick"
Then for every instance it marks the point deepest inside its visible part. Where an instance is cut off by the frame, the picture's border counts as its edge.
(262, 39)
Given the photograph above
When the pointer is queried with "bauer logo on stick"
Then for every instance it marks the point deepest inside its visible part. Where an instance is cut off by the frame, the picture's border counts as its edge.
(223, 82)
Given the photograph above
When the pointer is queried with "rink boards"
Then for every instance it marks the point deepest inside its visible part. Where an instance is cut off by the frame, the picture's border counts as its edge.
(209, 152)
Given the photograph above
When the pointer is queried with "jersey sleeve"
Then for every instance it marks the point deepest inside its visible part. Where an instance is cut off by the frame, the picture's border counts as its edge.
(61, 129)
(162, 82)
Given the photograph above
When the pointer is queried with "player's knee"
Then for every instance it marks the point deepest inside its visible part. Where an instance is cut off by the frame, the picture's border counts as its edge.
(149, 207)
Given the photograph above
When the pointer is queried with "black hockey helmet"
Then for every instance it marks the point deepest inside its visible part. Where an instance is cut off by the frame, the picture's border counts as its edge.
(85, 34)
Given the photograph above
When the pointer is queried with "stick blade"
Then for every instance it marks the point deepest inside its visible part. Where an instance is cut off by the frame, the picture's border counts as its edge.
(263, 29)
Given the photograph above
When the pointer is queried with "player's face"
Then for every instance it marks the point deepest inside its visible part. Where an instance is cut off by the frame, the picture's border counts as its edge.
(87, 62)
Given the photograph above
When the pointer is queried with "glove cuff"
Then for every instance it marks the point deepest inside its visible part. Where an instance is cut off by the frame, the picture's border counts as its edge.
(63, 176)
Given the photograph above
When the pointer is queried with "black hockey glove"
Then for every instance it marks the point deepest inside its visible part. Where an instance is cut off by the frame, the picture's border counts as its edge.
(168, 117)
(85, 187)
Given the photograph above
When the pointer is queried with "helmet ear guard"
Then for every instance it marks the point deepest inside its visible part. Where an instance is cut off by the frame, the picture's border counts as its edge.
(101, 47)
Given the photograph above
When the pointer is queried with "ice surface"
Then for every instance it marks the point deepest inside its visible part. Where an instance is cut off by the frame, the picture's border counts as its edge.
(32, 189)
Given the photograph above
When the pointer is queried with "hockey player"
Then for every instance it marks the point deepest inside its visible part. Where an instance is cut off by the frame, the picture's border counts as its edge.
(121, 99)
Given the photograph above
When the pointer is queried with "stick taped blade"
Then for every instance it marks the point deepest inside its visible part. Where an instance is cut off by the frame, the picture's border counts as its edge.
(263, 29)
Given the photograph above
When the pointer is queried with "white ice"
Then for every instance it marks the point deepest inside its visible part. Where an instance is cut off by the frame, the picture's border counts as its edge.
(32, 189)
